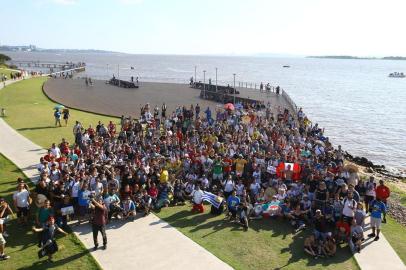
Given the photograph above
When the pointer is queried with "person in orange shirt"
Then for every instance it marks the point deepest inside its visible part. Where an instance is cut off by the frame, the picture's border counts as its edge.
(383, 193)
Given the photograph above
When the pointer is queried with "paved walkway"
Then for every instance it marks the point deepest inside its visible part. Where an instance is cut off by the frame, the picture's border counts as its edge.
(136, 244)
(378, 255)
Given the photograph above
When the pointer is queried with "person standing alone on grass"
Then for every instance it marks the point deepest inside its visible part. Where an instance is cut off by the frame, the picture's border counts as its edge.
(57, 115)
(22, 202)
(377, 208)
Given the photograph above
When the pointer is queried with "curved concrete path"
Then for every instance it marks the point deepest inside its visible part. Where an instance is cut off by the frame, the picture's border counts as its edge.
(151, 243)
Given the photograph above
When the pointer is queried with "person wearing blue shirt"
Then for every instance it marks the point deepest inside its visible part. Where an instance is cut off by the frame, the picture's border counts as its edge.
(232, 204)
(377, 208)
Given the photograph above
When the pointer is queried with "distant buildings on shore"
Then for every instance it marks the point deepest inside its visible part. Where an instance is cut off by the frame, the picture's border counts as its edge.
(29, 48)
(33, 48)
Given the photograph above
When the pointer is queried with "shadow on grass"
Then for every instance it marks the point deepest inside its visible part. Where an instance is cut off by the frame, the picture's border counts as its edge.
(44, 264)
(35, 128)
(278, 228)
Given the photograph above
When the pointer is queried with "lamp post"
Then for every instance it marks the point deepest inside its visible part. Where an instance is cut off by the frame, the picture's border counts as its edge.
(234, 90)
(216, 79)
(204, 84)
(108, 71)
(195, 74)
(118, 74)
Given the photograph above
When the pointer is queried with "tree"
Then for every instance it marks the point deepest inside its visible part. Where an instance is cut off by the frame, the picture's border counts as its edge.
(4, 58)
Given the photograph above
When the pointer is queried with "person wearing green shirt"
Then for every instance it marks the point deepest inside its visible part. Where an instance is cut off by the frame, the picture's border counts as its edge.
(217, 170)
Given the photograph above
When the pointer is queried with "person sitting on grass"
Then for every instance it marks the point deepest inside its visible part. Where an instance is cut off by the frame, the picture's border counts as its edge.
(242, 215)
(232, 203)
(197, 200)
(128, 208)
(342, 232)
(329, 247)
(48, 242)
(310, 246)
(146, 202)
(357, 235)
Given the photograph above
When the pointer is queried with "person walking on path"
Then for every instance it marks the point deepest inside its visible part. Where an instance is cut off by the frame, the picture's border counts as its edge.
(99, 221)
(383, 193)
(377, 208)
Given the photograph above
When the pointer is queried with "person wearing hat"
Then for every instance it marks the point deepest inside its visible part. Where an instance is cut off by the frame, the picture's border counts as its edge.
(48, 242)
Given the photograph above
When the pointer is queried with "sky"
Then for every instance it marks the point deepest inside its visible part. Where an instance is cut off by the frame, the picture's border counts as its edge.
(224, 27)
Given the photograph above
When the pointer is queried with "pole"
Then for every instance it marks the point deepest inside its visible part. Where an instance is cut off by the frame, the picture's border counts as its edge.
(216, 79)
(108, 71)
(204, 84)
(234, 90)
(118, 74)
(195, 74)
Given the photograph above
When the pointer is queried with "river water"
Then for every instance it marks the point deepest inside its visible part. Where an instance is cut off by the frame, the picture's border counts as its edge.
(360, 107)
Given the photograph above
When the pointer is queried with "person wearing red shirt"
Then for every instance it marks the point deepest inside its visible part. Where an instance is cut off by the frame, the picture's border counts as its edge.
(383, 193)
(49, 156)
(228, 162)
(343, 231)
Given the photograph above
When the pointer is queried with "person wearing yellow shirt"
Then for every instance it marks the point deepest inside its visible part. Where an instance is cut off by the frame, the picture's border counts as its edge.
(239, 165)
(164, 176)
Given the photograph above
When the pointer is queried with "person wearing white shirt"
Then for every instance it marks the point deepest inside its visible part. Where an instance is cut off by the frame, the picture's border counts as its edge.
(197, 198)
(21, 199)
(350, 206)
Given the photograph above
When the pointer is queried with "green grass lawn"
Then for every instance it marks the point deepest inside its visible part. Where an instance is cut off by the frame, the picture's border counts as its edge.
(22, 242)
(268, 244)
(5, 71)
(30, 112)
(395, 233)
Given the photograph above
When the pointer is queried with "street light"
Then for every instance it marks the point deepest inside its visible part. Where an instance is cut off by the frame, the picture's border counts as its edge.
(216, 79)
(195, 75)
(204, 83)
(234, 90)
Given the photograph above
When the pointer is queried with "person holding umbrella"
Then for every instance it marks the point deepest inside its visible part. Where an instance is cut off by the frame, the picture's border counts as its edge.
(57, 115)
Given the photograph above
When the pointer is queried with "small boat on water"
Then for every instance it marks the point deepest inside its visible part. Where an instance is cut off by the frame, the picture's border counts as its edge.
(286, 66)
(397, 75)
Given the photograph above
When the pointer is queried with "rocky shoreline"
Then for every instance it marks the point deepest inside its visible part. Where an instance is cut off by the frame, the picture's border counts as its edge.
(367, 168)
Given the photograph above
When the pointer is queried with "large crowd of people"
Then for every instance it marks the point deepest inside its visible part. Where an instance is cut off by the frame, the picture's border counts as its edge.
(247, 163)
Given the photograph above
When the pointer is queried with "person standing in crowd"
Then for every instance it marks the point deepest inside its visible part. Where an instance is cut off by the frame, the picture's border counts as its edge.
(369, 192)
(377, 209)
(99, 221)
(383, 193)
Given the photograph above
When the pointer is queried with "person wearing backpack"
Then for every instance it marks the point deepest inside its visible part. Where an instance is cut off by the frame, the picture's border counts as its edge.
(377, 208)
(349, 208)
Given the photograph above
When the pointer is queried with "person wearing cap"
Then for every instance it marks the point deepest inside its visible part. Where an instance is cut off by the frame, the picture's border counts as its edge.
(48, 242)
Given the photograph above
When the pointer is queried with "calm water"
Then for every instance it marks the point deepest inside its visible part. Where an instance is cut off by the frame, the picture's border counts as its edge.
(360, 107)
